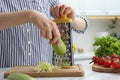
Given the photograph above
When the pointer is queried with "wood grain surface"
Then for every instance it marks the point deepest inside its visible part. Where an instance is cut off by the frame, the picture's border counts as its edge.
(100, 68)
(74, 72)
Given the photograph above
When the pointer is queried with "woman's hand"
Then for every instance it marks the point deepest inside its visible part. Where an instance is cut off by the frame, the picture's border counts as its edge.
(48, 28)
(61, 10)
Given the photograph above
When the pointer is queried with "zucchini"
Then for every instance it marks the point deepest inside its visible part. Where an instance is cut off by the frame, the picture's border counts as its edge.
(61, 49)
(19, 76)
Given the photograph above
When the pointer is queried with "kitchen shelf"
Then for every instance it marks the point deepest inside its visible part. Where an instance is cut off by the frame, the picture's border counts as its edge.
(102, 17)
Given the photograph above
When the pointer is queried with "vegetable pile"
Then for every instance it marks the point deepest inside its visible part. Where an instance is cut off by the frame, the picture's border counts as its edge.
(46, 67)
(108, 61)
(107, 53)
(107, 46)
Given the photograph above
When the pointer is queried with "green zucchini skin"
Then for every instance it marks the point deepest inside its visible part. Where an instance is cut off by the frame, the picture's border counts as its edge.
(19, 76)
(61, 49)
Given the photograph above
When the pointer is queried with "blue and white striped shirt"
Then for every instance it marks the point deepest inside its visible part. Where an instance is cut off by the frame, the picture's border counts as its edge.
(23, 45)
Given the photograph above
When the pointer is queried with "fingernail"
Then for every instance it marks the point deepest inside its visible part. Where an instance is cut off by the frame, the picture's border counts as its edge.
(58, 43)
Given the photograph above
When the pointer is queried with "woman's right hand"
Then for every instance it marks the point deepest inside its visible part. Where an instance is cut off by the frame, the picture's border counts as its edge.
(48, 28)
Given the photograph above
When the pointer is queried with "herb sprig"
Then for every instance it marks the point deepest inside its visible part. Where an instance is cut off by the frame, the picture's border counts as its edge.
(106, 46)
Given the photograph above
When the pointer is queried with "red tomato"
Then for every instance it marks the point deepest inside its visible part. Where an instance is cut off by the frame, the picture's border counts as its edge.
(119, 58)
(95, 59)
(101, 61)
(107, 63)
(116, 65)
(108, 58)
(115, 60)
(114, 55)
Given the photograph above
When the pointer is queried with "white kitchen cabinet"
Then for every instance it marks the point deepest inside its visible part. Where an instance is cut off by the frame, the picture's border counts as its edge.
(112, 7)
(95, 7)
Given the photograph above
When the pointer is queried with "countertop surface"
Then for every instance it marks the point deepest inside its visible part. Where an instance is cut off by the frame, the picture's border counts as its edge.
(89, 74)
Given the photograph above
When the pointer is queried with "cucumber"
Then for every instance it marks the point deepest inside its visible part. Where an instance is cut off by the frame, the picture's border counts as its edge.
(61, 49)
(19, 76)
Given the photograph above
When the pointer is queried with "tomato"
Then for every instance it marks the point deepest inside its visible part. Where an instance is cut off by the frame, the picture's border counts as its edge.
(101, 61)
(114, 55)
(115, 60)
(94, 59)
(108, 58)
(119, 58)
(116, 65)
(107, 63)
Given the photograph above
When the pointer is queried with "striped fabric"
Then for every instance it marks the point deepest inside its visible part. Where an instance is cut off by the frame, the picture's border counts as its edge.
(23, 45)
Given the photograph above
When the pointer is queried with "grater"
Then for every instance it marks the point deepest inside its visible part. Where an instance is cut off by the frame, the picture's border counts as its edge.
(64, 26)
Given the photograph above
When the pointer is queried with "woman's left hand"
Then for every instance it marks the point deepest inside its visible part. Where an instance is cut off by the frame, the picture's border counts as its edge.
(61, 10)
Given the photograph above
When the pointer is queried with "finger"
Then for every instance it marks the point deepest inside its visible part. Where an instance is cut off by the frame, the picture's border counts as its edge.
(43, 33)
(49, 33)
(62, 9)
(53, 40)
(58, 42)
(67, 11)
(55, 10)
(56, 35)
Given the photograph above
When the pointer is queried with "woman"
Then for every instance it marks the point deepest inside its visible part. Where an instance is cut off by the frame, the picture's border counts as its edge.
(26, 30)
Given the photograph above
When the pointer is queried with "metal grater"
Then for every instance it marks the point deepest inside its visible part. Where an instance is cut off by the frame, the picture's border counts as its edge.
(64, 27)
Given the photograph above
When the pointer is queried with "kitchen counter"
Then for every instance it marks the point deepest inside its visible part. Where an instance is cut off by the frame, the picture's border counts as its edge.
(83, 56)
(89, 74)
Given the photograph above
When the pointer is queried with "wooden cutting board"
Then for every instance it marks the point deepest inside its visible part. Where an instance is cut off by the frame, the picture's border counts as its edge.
(74, 72)
(100, 68)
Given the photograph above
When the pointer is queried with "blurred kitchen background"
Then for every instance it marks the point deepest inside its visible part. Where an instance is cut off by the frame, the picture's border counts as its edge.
(104, 19)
